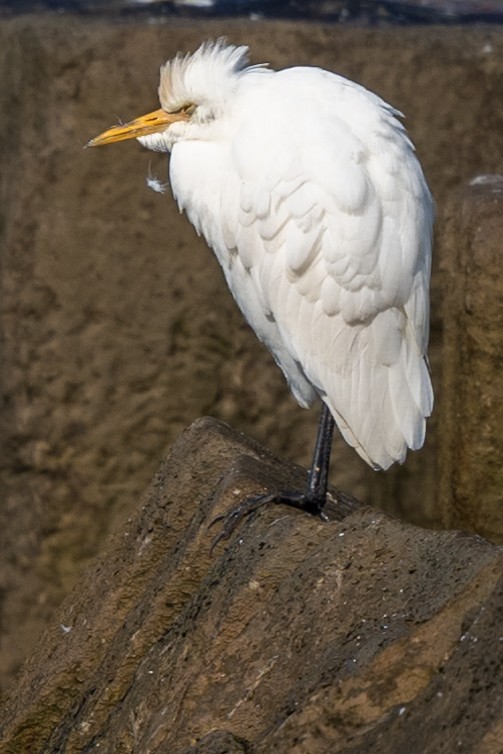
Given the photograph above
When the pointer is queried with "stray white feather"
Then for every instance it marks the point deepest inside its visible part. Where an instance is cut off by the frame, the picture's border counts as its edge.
(155, 183)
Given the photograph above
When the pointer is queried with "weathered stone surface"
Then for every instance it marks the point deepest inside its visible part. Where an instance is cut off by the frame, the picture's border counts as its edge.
(362, 634)
(471, 432)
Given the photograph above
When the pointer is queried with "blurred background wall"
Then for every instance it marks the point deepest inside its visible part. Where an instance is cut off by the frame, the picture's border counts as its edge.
(117, 327)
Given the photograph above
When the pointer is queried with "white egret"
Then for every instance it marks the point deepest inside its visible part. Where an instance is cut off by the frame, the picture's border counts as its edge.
(307, 188)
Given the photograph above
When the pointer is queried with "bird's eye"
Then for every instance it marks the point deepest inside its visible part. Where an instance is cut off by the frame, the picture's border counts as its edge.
(186, 109)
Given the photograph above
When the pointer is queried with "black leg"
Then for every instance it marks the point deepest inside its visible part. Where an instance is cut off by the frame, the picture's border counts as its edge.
(311, 500)
(317, 480)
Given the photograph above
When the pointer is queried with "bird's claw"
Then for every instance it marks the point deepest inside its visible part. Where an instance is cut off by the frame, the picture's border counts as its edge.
(233, 517)
(300, 500)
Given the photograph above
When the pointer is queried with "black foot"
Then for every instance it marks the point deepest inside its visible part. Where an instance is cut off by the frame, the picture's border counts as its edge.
(305, 501)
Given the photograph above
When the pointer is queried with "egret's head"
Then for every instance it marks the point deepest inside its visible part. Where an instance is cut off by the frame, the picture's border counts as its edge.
(194, 92)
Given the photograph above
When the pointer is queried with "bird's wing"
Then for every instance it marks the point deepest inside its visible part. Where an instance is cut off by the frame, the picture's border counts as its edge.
(334, 230)
(209, 189)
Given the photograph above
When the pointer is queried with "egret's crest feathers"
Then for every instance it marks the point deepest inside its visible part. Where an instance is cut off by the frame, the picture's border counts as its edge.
(205, 76)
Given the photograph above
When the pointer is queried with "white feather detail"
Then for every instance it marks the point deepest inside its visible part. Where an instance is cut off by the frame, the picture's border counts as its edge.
(308, 190)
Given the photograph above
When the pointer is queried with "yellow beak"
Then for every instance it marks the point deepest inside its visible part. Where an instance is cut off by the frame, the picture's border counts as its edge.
(151, 123)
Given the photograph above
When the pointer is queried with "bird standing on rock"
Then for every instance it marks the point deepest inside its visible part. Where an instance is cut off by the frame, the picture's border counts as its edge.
(307, 188)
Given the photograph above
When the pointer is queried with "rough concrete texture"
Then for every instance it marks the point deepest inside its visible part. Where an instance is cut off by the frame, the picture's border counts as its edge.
(117, 328)
(361, 634)
(471, 433)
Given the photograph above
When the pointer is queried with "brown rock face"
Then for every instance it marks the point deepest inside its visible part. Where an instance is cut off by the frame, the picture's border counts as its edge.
(471, 433)
(362, 634)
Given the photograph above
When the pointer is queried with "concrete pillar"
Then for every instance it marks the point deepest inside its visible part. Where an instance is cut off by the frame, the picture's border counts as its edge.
(471, 426)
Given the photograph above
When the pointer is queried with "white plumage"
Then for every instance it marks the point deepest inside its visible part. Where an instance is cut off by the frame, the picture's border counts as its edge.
(308, 190)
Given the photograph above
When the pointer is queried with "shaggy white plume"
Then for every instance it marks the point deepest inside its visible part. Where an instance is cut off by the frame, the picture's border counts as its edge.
(206, 76)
